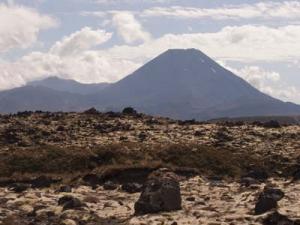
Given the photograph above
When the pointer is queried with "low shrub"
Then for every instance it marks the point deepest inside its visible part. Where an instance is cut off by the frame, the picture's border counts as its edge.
(208, 160)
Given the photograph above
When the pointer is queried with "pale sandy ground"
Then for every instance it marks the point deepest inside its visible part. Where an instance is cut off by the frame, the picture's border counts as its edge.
(215, 203)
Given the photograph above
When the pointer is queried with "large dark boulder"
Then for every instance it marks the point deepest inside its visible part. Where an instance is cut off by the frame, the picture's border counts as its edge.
(161, 193)
(267, 200)
(91, 111)
(272, 124)
(129, 111)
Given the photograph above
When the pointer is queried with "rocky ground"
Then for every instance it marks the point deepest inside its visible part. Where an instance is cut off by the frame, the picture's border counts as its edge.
(203, 202)
(91, 168)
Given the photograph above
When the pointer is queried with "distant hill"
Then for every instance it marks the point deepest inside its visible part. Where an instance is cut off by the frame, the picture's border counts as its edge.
(285, 120)
(66, 85)
(30, 98)
(183, 84)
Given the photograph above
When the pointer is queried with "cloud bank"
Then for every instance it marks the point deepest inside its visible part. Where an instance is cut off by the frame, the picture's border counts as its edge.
(261, 10)
(236, 43)
(20, 26)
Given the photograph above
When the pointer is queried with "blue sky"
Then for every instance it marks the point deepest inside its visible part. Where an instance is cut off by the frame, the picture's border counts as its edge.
(105, 40)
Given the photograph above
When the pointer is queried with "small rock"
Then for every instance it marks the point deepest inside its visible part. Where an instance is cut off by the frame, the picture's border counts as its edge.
(91, 111)
(272, 124)
(91, 199)
(19, 187)
(199, 133)
(70, 202)
(110, 186)
(65, 188)
(60, 128)
(42, 182)
(44, 214)
(296, 175)
(190, 199)
(91, 179)
(186, 122)
(122, 138)
(278, 219)
(248, 181)
(107, 205)
(257, 174)
(142, 136)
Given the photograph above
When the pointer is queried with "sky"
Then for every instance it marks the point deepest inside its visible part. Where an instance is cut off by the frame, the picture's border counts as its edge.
(95, 41)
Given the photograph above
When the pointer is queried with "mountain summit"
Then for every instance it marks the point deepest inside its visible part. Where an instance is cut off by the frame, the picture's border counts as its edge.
(188, 84)
(179, 83)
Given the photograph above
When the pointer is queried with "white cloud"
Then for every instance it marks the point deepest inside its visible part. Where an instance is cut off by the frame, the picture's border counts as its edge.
(291, 94)
(89, 67)
(261, 79)
(257, 76)
(269, 82)
(72, 58)
(79, 41)
(100, 14)
(20, 26)
(239, 43)
(263, 10)
(86, 67)
(284, 92)
(129, 28)
(131, 2)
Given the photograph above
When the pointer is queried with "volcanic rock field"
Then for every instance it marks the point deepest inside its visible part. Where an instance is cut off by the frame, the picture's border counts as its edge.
(128, 168)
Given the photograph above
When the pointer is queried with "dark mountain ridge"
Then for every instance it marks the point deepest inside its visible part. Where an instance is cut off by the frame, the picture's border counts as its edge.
(67, 85)
(183, 84)
(31, 98)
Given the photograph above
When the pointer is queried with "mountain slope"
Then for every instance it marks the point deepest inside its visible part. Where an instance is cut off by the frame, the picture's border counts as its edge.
(184, 84)
(70, 86)
(187, 84)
